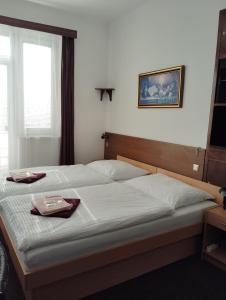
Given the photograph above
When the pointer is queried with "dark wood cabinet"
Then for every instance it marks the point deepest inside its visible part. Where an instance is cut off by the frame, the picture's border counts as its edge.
(216, 173)
(222, 34)
(215, 165)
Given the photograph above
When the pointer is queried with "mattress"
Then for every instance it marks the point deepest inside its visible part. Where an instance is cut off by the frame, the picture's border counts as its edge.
(58, 177)
(103, 208)
(44, 256)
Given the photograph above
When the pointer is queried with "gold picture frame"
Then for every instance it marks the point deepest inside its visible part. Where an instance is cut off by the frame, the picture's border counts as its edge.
(162, 88)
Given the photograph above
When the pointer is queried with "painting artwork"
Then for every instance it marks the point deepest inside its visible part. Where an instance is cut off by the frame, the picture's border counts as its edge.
(163, 88)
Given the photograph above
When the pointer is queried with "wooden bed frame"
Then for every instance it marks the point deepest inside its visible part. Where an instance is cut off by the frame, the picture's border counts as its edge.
(91, 273)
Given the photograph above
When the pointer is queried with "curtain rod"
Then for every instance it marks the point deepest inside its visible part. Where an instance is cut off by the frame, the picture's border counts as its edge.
(38, 26)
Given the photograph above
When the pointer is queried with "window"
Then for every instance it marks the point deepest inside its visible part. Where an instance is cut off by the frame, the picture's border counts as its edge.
(4, 63)
(4, 46)
(37, 86)
(30, 90)
(3, 116)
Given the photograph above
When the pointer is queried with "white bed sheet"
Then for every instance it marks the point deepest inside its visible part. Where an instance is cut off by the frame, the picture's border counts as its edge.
(58, 178)
(103, 208)
(53, 254)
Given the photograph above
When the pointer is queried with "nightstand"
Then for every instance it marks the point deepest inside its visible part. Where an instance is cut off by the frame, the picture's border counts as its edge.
(214, 237)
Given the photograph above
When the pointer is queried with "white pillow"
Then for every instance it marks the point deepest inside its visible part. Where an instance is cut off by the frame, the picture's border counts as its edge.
(174, 192)
(116, 169)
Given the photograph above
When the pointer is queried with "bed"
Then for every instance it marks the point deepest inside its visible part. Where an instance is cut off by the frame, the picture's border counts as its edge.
(116, 256)
(57, 178)
(72, 176)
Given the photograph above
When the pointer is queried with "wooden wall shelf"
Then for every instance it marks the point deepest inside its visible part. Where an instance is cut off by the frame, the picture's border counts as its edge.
(103, 90)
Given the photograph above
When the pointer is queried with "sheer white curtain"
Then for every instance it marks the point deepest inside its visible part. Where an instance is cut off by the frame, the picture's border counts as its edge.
(30, 68)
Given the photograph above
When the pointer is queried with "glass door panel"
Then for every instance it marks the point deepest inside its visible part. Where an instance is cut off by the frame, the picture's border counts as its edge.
(37, 86)
(3, 117)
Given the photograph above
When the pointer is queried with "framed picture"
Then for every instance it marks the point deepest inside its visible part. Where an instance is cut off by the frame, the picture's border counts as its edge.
(163, 88)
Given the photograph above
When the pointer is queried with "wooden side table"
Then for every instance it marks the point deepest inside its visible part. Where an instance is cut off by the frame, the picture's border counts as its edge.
(214, 237)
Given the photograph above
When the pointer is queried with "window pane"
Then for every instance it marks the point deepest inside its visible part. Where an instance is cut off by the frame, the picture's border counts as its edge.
(3, 118)
(3, 97)
(37, 86)
(4, 46)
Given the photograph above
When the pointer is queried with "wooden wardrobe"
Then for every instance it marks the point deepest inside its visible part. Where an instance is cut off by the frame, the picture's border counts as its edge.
(215, 163)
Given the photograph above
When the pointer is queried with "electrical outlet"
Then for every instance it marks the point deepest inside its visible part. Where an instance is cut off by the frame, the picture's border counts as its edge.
(195, 168)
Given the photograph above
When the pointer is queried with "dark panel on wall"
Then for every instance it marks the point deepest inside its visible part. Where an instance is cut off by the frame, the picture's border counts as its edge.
(218, 168)
(172, 157)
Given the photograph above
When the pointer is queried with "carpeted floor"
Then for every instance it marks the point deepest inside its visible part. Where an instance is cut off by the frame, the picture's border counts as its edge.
(189, 279)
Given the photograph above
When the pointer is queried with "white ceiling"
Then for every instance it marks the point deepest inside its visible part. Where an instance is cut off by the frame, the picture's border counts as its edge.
(106, 9)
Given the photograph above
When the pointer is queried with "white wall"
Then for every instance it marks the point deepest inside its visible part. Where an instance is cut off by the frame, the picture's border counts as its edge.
(157, 35)
(90, 70)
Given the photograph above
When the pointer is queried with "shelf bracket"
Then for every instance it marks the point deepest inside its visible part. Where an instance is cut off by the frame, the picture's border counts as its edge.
(103, 90)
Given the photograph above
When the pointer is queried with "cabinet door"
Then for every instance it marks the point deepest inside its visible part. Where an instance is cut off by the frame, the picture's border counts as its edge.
(222, 32)
(216, 172)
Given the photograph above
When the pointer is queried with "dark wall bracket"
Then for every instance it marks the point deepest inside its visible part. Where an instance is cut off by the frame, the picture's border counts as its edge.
(105, 136)
(103, 90)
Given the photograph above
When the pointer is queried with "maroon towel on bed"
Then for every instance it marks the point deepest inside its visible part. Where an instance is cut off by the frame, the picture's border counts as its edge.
(61, 214)
(29, 180)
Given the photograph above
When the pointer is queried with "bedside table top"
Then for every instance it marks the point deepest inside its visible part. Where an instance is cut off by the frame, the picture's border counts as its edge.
(216, 217)
(218, 212)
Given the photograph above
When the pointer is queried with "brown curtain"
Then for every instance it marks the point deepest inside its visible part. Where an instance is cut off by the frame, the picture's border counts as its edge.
(67, 102)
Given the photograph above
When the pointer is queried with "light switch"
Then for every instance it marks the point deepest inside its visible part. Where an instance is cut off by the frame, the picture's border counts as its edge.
(195, 168)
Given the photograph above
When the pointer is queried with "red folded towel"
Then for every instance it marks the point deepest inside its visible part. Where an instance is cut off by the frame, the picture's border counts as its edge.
(61, 214)
(28, 180)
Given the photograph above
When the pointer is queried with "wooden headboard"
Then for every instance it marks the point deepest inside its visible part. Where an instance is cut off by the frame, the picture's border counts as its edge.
(172, 157)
